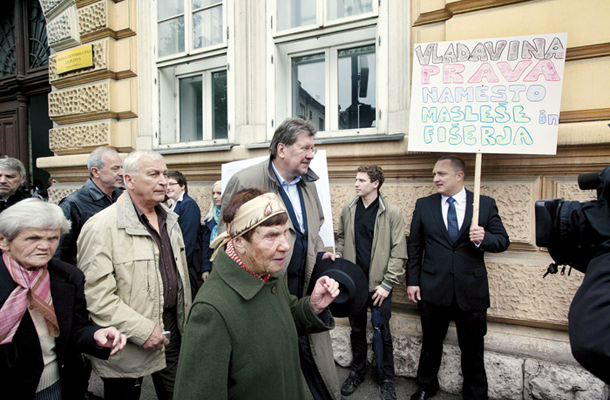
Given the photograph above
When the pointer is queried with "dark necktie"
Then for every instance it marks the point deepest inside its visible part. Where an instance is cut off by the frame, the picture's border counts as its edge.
(452, 224)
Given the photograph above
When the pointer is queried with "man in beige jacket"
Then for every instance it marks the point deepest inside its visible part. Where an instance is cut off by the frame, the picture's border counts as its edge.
(132, 254)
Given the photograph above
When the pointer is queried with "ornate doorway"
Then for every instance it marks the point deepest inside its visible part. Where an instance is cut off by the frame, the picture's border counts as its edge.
(24, 85)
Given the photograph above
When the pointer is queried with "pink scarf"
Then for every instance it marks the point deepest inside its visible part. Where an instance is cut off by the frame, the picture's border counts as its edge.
(35, 283)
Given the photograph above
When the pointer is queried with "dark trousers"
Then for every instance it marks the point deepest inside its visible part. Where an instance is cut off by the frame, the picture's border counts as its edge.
(77, 370)
(471, 328)
(314, 380)
(130, 388)
(358, 323)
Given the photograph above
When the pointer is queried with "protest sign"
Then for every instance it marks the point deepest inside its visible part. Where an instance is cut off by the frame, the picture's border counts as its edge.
(498, 95)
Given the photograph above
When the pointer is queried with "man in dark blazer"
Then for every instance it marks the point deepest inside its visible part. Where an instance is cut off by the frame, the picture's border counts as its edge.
(190, 224)
(446, 275)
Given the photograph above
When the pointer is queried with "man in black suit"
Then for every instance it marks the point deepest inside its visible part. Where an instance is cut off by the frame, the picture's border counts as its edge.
(446, 275)
(190, 224)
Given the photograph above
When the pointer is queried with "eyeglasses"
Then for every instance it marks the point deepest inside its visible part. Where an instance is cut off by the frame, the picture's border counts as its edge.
(306, 150)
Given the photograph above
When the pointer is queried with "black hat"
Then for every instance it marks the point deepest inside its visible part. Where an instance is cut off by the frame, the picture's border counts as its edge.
(353, 285)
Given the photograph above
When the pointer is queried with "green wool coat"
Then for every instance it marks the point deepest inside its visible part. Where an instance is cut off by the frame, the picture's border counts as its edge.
(241, 338)
(262, 176)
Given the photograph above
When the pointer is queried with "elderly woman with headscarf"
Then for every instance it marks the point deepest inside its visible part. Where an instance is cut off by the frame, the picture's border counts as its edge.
(43, 314)
(241, 337)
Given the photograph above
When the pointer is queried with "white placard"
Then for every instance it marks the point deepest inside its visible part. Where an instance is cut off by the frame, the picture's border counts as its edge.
(498, 95)
(319, 166)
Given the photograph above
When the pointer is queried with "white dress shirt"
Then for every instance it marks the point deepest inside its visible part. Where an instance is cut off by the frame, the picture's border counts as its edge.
(293, 194)
(173, 203)
(460, 207)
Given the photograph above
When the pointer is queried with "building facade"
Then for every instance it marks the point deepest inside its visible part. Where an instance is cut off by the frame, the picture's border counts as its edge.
(205, 82)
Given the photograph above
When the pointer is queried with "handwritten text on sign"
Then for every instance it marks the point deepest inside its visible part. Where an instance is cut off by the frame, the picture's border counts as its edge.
(490, 96)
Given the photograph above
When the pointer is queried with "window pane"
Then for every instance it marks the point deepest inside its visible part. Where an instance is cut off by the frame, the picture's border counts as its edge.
(308, 89)
(39, 49)
(207, 27)
(295, 13)
(169, 8)
(356, 70)
(347, 8)
(191, 115)
(204, 3)
(8, 62)
(219, 104)
(171, 36)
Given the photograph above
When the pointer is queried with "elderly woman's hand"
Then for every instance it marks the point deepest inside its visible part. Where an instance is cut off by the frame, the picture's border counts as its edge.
(111, 338)
(323, 294)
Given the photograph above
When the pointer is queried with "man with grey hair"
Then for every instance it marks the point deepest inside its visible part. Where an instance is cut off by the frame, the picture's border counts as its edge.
(100, 191)
(132, 254)
(12, 177)
(287, 174)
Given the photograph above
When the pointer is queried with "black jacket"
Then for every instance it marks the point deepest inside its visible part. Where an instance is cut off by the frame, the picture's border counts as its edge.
(444, 269)
(21, 362)
(78, 207)
(20, 194)
(190, 223)
(207, 228)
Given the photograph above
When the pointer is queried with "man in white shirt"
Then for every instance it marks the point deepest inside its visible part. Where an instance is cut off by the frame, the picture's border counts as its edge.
(446, 275)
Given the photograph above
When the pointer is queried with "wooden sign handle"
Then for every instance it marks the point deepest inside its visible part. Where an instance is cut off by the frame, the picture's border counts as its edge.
(477, 189)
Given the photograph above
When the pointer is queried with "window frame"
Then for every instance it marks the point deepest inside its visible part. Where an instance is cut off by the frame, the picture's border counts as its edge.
(322, 20)
(193, 62)
(189, 50)
(204, 68)
(281, 75)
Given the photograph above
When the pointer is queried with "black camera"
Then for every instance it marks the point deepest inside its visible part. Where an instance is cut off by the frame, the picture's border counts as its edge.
(578, 235)
(575, 232)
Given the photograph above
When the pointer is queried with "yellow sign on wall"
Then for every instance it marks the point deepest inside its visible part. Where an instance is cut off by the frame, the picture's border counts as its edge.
(76, 58)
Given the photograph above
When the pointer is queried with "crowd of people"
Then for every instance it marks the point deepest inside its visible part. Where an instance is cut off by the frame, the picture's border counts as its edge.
(127, 271)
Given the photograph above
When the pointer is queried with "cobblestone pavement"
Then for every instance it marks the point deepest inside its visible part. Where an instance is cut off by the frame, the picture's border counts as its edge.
(367, 390)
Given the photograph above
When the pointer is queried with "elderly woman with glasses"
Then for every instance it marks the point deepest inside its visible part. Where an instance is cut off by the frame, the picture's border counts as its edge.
(241, 337)
(43, 315)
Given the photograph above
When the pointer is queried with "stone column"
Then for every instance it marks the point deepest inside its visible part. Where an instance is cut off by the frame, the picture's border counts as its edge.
(97, 105)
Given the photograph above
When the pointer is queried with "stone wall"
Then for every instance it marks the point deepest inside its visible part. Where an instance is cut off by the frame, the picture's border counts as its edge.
(528, 352)
(97, 105)
(511, 376)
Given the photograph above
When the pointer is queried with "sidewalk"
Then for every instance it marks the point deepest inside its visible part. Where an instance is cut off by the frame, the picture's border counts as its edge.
(367, 390)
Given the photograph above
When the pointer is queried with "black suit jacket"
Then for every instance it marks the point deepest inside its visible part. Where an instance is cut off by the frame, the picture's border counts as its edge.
(189, 219)
(443, 269)
(21, 361)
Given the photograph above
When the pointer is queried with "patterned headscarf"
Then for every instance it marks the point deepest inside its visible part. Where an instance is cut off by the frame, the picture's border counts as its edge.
(250, 215)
